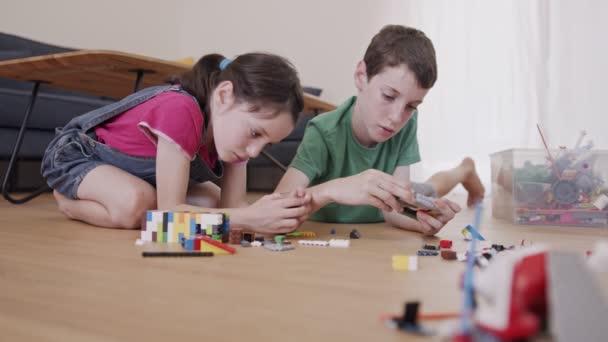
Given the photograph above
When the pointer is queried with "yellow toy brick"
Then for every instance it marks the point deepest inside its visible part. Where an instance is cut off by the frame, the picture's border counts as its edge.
(405, 263)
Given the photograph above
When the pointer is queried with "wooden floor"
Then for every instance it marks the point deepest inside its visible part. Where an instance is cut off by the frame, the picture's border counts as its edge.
(62, 280)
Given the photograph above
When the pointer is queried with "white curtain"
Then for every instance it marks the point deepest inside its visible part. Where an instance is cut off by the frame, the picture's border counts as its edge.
(503, 67)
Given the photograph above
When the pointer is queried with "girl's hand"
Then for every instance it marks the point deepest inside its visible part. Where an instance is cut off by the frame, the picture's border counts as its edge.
(275, 213)
(372, 187)
(430, 225)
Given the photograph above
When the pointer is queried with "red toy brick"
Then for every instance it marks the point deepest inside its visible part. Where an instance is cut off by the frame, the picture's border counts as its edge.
(445, 244)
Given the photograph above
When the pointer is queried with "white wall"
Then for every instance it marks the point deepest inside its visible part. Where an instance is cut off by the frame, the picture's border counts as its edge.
(554, 60)
(579, 72)
(324, 39)
(93, 24)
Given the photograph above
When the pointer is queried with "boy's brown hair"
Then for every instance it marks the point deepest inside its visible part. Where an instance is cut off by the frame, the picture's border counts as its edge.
(395, 45)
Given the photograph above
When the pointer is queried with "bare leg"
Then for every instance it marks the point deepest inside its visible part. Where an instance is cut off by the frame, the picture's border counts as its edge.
(206, 195)
(109, 197)
(465, 174)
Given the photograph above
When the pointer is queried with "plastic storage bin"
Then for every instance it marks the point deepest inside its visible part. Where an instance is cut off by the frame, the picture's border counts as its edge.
(567, 188)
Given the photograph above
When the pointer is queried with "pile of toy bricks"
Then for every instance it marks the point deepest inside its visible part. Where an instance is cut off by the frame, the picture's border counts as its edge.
(193, 230)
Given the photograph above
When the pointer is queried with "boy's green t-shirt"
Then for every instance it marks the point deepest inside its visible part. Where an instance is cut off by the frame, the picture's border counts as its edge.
(329, 150)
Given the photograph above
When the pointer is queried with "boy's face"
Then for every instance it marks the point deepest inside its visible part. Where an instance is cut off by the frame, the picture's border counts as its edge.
(387, 101)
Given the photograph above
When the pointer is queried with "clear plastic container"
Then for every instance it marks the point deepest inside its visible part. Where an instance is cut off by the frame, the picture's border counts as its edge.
(566, 188)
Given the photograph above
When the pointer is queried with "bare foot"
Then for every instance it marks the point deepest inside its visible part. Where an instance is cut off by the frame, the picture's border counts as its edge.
(471, 182)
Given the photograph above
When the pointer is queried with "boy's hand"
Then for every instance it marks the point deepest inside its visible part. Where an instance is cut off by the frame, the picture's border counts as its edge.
(430, 225)
(372, 187)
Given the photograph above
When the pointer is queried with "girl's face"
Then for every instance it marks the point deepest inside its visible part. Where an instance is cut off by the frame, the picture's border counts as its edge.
(387, 101)
(240, 131)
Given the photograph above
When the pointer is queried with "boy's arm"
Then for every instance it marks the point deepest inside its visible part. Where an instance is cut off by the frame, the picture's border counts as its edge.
(370, 187)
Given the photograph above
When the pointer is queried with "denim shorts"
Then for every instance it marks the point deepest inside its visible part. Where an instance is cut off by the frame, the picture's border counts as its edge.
(73, 154)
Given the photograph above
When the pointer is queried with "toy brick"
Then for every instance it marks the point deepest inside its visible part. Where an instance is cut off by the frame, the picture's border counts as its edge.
(405, 263)
(448, 254)
(248, 236)
(192, 226)
(320, 243)
(339, 243)
(427, 253)
(189, 244)
(235, 236)
(165, 221)
(146, 235)
(278, 247)
(445, 244)
(215, 229)
(211, 218)
(219, 248)
(171, 234)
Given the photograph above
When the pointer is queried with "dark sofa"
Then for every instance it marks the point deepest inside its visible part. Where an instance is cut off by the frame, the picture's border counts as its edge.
(53, 108)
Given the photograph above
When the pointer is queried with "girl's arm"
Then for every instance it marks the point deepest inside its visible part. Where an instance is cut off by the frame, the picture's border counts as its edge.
(234, 186)
(270, 214)
(172, 175)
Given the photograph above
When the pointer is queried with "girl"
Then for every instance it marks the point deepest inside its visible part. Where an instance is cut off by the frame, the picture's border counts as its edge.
(162, 146)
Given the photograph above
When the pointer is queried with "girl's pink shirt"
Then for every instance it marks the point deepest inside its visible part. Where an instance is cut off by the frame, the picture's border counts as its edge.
(173, 116)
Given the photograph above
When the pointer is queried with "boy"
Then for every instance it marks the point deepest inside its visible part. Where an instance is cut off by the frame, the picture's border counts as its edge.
(356, 158)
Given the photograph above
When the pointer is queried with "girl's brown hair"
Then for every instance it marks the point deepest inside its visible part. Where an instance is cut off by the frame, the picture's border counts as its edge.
(260, 79)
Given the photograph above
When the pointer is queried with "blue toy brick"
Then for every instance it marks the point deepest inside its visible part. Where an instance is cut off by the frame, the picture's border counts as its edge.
(189, 245)
(226, 224)
(170, 216)
(148, 216)
(192, 227)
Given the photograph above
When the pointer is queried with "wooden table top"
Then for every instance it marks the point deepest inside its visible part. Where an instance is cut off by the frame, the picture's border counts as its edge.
(107, 73)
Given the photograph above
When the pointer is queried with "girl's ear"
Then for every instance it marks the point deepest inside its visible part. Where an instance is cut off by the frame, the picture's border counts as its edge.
(223, 96)
(360, 75)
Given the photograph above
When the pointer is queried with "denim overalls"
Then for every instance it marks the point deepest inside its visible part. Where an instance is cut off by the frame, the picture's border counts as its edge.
(75, 150)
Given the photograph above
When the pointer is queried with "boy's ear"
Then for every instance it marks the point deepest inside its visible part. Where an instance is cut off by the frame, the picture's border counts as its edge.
(360, 75)
(223, 95)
